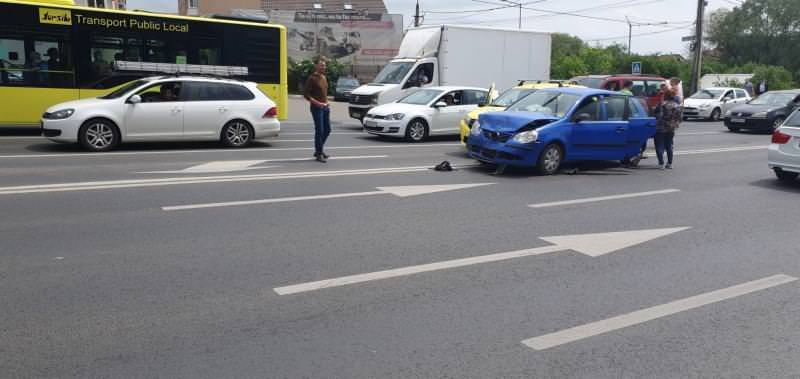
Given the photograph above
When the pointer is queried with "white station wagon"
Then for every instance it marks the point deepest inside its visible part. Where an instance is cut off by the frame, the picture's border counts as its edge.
(166, 108)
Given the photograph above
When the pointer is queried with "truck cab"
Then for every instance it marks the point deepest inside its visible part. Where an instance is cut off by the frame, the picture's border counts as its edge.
(397, 78)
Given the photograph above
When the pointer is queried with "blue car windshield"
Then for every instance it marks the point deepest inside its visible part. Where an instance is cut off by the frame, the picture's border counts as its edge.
(547, 102)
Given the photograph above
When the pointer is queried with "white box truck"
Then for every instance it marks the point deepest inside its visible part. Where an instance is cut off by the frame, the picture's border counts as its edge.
(441, 55)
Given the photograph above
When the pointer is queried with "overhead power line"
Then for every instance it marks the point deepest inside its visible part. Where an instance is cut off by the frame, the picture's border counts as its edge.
(640, 34)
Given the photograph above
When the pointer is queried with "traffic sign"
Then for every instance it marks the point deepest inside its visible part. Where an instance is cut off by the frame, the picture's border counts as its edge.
(636, 68)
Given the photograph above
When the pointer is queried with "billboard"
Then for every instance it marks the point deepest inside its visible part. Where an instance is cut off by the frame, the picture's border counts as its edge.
(354, 38)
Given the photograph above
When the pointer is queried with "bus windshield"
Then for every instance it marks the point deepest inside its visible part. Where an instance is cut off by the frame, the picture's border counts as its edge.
(393, 73)
(121, 91)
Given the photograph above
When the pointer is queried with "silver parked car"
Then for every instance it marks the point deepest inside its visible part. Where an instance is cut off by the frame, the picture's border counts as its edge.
(784, 151)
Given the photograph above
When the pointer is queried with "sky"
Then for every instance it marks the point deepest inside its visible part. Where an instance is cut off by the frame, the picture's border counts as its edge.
(658, 24)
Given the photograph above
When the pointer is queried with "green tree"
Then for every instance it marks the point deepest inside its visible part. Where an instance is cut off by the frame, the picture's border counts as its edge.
(298, 72)
(759, 31)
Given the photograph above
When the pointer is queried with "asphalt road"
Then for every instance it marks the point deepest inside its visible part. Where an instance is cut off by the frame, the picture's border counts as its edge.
(99, 277)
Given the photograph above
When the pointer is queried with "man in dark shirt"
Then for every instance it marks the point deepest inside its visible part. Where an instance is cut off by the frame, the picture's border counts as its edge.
(316, 92)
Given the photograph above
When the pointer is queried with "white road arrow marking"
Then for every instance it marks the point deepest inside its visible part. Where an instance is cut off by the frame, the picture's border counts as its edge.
(231, 166)
(590, 244)
(641, 316)
(403, 191)
(221, 166)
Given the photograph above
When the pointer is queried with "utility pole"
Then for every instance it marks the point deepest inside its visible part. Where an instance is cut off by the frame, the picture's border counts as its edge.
(697, 65)
(417, 17)
(630, 32)
(519, 4)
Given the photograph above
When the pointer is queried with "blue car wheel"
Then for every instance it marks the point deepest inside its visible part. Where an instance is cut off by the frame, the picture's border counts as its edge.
(550, 159)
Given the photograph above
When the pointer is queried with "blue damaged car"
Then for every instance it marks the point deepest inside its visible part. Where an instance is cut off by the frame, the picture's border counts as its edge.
(550, 127)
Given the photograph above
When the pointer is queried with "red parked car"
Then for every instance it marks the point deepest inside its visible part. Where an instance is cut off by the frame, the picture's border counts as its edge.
(644, 86)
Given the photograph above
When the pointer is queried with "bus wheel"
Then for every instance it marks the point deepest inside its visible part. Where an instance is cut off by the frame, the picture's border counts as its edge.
(98, 135)
(237, 133)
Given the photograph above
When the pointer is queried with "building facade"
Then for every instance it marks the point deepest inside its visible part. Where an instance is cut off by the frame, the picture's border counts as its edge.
(227, 7)
(113, 4)
(357, 33)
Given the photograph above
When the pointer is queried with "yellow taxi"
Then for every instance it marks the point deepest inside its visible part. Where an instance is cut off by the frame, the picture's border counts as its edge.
(510, 96)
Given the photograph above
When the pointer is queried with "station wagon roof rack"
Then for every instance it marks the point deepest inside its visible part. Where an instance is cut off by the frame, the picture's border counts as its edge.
(181, 69)
(560, 83)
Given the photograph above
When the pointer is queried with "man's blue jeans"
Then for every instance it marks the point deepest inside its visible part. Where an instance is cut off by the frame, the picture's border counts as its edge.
(322, 127)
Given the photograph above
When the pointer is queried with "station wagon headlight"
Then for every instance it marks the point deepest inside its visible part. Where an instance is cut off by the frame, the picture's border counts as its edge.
(395, 116)
(59, 114)
(476, 128)
(527, 136)
(728, 113)
(759, 115)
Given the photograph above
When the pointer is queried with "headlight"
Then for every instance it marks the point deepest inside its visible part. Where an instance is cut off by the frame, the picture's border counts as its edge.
(375, 100)
(59, 115)
(395, 116)
(760, 115)
(476, 128)
(527, 136)
(727, 113)
(704, 106)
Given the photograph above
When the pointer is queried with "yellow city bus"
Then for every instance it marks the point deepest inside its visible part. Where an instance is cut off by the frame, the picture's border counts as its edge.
(52, 51)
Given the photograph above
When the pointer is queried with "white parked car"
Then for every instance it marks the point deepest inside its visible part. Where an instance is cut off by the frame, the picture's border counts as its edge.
(166, 108)
(784, 151)
(425, 112)
(712, 103)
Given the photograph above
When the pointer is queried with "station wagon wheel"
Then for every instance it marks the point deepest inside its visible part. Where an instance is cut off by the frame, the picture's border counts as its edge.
(550, 159)
(416, 130)
(237, 133)
(98, 135)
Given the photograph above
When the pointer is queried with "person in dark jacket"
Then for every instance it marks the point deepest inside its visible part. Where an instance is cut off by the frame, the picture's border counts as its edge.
(667, 120)
(316, 92)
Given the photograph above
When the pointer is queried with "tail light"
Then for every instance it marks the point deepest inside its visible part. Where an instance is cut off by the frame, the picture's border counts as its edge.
(780, 138)
(271, 113)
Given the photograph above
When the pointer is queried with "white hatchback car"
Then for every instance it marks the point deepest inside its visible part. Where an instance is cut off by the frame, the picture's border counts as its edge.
(425, 112)
(166, 108)
(784, 151)
(712, 103)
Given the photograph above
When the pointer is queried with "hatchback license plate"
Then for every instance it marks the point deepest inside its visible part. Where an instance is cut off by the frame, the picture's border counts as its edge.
(371, 124)
(738, 120)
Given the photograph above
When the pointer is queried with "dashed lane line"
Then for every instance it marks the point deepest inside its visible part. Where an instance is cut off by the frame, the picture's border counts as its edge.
(603, 198)
(565, 336)
(116, 184)
(250, 150)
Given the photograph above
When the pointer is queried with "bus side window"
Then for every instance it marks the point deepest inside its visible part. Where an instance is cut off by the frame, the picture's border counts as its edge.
(12, 61)
(49, 65)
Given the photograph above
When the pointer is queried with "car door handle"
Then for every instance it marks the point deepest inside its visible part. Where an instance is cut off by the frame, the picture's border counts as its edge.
(222, 109)
(176, 110)
(621, 129)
